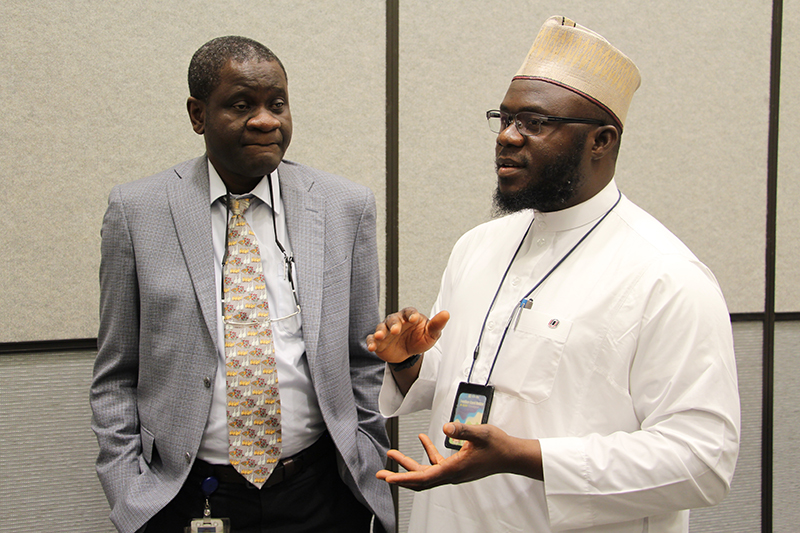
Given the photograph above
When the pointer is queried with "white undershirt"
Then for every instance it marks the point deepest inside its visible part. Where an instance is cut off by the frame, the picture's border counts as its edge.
(301, 418)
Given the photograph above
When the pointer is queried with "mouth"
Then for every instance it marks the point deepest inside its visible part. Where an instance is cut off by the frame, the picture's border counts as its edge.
(507, 167)
(262, 144)
(260, 148)
(262, 141)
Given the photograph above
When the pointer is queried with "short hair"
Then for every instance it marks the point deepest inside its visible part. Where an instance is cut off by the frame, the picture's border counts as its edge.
(208, 60)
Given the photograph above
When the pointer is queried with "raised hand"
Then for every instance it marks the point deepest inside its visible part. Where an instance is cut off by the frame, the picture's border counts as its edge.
(406, 333)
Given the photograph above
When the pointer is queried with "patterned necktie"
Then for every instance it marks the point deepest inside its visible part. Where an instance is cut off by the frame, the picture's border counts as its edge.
(254, 406)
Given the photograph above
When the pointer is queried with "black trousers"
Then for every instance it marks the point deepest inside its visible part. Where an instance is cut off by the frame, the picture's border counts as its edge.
(313, 500)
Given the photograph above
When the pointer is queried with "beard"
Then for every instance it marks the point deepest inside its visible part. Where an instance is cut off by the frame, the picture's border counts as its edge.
(557, 184)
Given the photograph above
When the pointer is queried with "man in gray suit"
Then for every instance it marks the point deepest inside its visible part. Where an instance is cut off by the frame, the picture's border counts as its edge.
(159, 388)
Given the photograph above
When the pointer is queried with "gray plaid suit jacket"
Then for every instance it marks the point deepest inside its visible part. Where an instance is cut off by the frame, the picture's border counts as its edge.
(157, 359)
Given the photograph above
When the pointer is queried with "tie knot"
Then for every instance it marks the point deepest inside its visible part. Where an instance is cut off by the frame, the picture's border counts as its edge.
(239, 205)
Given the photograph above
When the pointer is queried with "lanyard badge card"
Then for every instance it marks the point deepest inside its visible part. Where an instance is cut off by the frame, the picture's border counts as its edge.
(471, 406)
(208, 524)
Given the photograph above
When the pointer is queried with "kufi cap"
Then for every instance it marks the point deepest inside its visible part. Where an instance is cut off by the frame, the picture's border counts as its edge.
(574, 57)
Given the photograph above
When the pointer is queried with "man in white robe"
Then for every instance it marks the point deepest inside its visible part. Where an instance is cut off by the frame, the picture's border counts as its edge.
(598, 344)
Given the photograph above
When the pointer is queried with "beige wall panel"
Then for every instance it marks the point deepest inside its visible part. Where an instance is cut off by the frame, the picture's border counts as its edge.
(67, 496)
(94, 95)
(787, 294)
(681, 159)
(786, 446)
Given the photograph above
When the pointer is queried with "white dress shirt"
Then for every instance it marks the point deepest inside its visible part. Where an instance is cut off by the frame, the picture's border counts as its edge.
(301, 418)
(623, 368)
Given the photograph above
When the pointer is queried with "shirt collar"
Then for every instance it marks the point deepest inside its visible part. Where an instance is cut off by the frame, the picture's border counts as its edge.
(217, 188)
(583, 213)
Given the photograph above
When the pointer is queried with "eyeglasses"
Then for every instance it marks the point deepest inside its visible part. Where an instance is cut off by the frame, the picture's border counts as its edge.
(529, 123)
(288, 268)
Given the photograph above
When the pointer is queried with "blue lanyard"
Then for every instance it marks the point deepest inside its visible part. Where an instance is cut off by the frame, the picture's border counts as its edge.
(525, 299)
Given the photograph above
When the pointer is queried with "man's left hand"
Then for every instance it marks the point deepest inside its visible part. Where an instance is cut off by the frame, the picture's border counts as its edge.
(488, 450)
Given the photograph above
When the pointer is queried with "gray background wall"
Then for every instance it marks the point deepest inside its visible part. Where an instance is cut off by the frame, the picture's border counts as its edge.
(95, 94)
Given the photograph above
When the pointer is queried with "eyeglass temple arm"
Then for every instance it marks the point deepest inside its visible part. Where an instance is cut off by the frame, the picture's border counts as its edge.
(575, 120)
(225, 243)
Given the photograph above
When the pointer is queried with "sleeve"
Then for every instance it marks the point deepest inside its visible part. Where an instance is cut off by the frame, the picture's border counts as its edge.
(683, 386)
(365, 366)
(113, 389)
(420, 396)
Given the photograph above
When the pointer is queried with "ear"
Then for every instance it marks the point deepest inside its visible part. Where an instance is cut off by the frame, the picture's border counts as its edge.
(605, 140)
(197, 114)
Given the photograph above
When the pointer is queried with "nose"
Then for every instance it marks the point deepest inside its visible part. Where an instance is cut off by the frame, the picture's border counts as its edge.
(510, 135)
(263, 119)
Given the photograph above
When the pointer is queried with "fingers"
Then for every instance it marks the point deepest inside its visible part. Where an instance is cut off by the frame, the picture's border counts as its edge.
(433, 454)
(416, 481)
(405, 461)
(380, 334)
(453, 429)
(373, 339)
(437, 324)
(410, 314)
(417, 475)
(406, 316)
(485, 452)
(405, 333)
(475, 434)
(392, 325)
(383, 474)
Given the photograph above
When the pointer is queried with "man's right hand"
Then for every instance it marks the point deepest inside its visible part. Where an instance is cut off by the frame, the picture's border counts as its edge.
(406, 333)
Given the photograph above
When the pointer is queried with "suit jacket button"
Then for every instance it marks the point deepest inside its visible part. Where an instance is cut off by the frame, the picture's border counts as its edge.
(188, 457)
(207, 382)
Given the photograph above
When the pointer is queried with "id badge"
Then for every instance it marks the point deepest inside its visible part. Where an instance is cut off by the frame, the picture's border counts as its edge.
(471, 407)
(209, 525)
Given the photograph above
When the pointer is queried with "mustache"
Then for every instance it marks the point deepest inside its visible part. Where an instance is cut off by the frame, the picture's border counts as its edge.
(509, 161)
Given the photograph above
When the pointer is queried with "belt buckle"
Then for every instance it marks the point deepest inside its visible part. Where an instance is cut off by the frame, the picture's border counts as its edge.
(291, 466)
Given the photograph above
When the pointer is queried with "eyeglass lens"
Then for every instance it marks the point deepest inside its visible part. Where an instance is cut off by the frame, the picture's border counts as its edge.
(527, 123)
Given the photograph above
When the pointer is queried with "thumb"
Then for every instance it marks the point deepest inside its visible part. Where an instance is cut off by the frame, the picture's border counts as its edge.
(437, 323)
(460, 431)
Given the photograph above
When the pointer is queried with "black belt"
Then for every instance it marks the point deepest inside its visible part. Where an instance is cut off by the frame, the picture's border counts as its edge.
(285, 468)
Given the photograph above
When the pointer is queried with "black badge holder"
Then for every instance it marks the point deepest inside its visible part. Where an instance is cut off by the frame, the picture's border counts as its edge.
(471, 407)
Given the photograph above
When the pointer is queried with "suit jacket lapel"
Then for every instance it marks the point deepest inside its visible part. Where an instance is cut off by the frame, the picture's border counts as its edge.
(189, 202)
(305, 222)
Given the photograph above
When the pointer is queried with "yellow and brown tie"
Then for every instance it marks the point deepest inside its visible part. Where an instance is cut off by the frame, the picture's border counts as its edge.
(254, 407)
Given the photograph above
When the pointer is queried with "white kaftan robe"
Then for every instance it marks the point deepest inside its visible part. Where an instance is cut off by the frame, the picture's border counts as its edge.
(623, 368)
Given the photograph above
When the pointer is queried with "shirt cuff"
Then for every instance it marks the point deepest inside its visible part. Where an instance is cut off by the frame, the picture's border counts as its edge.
(566, 475)
(419, 397)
